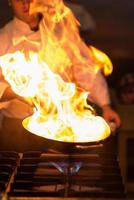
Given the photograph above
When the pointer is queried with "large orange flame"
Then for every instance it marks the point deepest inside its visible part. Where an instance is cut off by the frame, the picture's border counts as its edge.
(60, 108)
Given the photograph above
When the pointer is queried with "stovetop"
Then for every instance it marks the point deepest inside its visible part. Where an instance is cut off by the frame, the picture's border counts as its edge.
(42, 175)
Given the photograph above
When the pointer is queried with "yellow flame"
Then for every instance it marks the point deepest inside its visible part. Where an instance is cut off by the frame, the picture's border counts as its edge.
(60, 108)
(103, 60)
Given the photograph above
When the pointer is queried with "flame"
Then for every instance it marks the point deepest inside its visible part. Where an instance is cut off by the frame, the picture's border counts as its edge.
(55, 78)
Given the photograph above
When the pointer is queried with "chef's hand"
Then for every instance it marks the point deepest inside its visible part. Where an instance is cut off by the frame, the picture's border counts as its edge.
(111, 117)
(9, 95)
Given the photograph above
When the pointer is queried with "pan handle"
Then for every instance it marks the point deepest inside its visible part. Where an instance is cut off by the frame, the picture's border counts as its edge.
(88, 146)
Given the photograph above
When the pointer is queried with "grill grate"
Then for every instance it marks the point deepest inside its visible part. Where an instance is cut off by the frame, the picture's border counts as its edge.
(37, 174)
(8, 163)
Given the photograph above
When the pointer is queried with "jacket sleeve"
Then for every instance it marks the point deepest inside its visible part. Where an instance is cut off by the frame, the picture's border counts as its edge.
(3, 86)
(99, 93)
(3, 83)
(4, 41)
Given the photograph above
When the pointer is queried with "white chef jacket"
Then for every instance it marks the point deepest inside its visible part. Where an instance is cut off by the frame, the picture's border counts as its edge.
(10, 37)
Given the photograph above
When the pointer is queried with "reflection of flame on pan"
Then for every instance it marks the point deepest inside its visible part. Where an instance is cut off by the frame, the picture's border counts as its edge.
(60, 109)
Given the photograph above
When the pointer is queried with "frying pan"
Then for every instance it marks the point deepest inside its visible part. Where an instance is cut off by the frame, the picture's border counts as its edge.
(56, 146)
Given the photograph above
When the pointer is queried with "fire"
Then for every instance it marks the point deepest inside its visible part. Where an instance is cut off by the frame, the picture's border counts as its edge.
(53, 79)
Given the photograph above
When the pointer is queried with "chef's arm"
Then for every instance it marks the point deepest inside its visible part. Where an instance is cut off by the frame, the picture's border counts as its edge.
(100, 96)
(99, 93)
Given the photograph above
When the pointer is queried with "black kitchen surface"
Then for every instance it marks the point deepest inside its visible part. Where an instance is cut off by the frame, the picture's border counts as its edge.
(42, 175)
